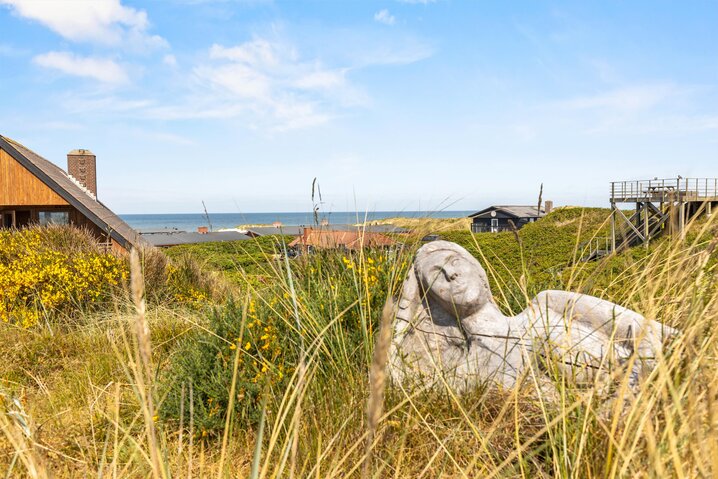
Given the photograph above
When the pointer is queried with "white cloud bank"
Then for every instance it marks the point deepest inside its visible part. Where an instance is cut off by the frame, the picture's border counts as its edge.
(383, 16)
(268, 84)
(106, 22)
(101, 69)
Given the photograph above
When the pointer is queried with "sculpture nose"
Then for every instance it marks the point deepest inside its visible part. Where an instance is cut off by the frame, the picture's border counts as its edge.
(450, 274)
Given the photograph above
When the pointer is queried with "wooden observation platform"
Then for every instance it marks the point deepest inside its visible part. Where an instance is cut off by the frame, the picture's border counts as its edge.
(659, 206)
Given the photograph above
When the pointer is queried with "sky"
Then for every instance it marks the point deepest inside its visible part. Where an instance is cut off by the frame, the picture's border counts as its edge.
(391, 105)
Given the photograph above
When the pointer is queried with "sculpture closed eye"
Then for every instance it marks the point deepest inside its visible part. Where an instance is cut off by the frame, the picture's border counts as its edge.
(448, 325)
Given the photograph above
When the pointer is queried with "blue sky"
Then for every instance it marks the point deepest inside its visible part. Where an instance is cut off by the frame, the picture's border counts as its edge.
(392, 105)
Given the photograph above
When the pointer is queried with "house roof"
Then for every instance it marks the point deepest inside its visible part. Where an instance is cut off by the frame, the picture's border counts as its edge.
(517, 211)
(183, 237)
(72, 192)
(275, 230)
(354, 240)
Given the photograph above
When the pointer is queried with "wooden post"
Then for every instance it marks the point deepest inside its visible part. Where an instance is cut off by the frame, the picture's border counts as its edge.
(613, 226)
(681, 218)
(645, 223)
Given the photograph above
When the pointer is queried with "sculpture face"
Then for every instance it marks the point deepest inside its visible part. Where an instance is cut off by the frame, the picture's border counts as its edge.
(452, 277)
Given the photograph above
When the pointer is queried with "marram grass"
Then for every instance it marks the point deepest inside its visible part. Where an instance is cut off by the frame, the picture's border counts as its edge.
(120, 397)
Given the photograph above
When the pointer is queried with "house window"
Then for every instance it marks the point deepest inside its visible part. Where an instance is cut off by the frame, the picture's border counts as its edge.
(54, 218)
(8, 219)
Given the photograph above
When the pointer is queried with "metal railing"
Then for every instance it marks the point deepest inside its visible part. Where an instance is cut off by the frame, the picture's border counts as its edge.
(595, 248)
(665, 189)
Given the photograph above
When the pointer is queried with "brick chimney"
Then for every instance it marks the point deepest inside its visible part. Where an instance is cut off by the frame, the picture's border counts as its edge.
(82, 165)
(548, 206)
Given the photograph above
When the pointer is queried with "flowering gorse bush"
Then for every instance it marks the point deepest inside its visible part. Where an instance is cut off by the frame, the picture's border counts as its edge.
(49, 271)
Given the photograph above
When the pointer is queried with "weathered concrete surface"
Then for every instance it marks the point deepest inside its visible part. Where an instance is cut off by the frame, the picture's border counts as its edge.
(448, 328)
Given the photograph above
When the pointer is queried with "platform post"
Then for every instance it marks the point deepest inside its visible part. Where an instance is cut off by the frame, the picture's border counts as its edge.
(613, 226)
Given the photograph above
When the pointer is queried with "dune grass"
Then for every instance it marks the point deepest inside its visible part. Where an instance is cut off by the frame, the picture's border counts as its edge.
(128, 395)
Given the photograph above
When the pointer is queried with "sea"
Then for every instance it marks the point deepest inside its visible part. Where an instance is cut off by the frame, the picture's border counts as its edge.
(217, 221)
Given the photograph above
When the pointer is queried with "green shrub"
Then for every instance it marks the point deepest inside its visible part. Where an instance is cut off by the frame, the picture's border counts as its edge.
(337, 295)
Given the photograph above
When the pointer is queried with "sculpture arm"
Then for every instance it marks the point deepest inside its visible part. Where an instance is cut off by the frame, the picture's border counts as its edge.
(624, 325)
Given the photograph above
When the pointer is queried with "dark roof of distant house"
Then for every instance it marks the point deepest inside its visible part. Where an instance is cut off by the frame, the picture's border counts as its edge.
(71, 191)
(275, 230)
(183, 237)
(151, 231)
(516, 211)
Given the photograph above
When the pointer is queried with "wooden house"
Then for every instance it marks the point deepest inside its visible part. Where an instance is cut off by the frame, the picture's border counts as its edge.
(504, 218)
(35, 191)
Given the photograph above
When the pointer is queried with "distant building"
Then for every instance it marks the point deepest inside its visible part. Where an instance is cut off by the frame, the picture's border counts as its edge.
(36, 191)
(354, 239)
(501, 218)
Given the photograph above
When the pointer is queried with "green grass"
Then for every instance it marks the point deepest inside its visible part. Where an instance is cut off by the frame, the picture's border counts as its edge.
(235, 259)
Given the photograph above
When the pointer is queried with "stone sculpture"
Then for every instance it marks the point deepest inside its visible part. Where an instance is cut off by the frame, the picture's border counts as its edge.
(448, 328)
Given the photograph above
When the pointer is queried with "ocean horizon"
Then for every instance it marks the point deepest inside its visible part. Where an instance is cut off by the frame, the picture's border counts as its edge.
(217, 221)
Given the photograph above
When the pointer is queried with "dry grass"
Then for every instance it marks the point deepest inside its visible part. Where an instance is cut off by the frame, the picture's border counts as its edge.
(426, 225)
(82, 402)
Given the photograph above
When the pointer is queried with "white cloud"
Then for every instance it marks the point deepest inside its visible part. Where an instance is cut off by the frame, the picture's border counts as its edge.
(415, 2)
(258, 52)
(264, 84)
(625, 99)
(102, 21)
(383, 16)
(268, 83)
(101, 69)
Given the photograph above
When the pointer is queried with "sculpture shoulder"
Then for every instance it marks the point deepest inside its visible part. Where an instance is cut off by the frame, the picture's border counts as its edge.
(562, 301)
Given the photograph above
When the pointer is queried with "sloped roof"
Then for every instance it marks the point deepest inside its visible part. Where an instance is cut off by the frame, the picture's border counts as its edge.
(61, 183)
(518, 211)
(275, 230)
(353, 240)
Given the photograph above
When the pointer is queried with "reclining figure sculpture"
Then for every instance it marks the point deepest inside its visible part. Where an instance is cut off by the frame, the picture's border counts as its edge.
(449, 328)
